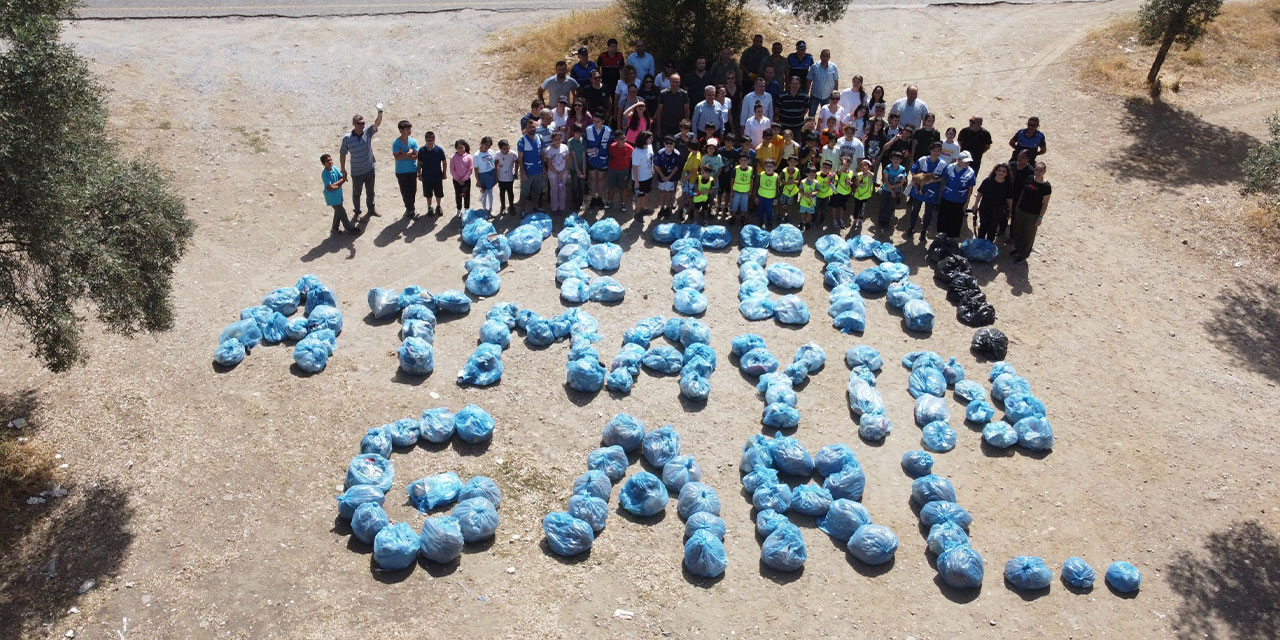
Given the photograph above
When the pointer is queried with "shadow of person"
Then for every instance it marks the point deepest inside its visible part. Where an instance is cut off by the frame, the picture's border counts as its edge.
(335, 242)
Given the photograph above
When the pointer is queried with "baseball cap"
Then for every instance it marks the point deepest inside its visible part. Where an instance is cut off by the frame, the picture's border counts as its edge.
(582, 51)
(801, 45)
(564, 99)
(713, 142)
(965, 156)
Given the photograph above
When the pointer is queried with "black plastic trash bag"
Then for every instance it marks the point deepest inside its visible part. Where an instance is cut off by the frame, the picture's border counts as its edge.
(989, 343)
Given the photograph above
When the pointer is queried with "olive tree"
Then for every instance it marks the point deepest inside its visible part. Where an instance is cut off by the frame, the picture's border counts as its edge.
(1169, 21)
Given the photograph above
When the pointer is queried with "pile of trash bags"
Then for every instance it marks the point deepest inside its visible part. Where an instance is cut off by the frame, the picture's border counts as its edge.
(958, 564)
(417, 309)
(755, 300)
(688, 262)
(484, 366)
(490, 252)
(865, 400)
(928, 383)
(314, 334)
(777, 384)
(1026, 421)
(951, 269)
(581, 246)
(474, 514)
(688, 354)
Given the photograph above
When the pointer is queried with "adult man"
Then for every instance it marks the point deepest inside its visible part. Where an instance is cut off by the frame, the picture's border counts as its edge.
(642, 61)
(798, 63)
(724, 66)
(535, 113)
(599, 98)
(755, 126)
(530, 146)
(757, 97)
(1022, 171)
(610, 64)
(673, 106)
(926, 189)
(957, 186)
(753, 60)
(976, 141)
(558, 85)
(791, 107)
(583, 68)
(700, 76)
(911, 109)
(596, 140)
(833, 110)
(707, 112)
(779, 63)
(771, 83)
(359, 144)
(545, 127)
(1030, 139)
(824, 79)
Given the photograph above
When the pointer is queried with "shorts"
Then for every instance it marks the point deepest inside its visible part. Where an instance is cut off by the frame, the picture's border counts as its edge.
(726, 183)
(740, 202)
(806, 208)
(594, 169)
(666, 186)
(644, 186)
(531, 186)
(764, 206)
(488, 179)
(838, 200)
(786, 199)
(620, 179)
(433, 187)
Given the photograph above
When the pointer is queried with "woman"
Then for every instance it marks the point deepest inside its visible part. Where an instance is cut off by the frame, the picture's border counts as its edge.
(725, 105)
(995, 198)
(873, 142)
(861, 116)
(734, 96)
(649, 91)
(1032, 204)
(632, 98)
(642, 171)
(877, 98)
(579, 115)
(636, 121)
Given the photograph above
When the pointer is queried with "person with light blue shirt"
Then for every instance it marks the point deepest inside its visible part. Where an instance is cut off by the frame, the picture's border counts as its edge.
(707, 112)
(332, 178)
(926, 189)
(358, 144)
(405, 150)
(824, 78)
(642, 61)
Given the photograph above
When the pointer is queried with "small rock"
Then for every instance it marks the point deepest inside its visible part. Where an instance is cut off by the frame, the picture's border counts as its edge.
(511, 569)
(434, 395)
(73, 610)
(71, 633)
(35, 500)
(87, 585)
(18, 423)
(623, 614)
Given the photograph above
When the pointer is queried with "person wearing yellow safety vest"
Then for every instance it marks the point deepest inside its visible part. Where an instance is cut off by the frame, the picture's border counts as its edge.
(703, 187)
(742, 179)
(826, 179)
(843, 186)
(766, 191)
(692, 162)
(790, 187)
(864, 184)
(808, 197)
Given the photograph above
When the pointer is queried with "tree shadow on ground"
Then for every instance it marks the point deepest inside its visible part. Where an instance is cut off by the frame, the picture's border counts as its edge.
(1244, 327)
(1176, 148)
(1233, 590)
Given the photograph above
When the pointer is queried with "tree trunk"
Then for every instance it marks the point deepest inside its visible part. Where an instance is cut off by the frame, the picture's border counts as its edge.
(1160, 55)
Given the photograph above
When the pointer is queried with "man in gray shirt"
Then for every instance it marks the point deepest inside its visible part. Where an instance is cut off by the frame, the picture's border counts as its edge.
(707, 112)
(911, 109)
(359, 145)
(558, 85)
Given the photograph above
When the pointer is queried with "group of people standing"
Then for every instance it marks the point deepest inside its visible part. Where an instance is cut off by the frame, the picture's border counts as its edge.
(773, 135)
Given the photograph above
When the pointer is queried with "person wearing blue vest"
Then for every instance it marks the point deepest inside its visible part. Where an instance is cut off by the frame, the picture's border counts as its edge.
(596, 139)
(529, 146)
(926, 189)
(957, 185)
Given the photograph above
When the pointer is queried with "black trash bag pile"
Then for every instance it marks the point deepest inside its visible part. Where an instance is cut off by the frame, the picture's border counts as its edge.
(990, 343)
(952, 270)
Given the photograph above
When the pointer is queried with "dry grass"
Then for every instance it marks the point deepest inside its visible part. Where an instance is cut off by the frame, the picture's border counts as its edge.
(1241, 46)
(26, 469)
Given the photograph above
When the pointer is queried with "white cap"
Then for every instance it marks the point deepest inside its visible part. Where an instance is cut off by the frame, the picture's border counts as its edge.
(965, 156)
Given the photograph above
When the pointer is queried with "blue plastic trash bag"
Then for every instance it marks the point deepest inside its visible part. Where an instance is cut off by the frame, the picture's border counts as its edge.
(484, 367)
(441, 540)
(960, 567)
(471, 215)
(939, 437)
(863, 355)
(694, 332)
(689, 279)
(319, 295)
(664, 359)
(305, 283)
(283, 300)
(843, 518)
(660, 446)
(753, 236)
(605, 230)
(497, 247)
(848, 483)
(1034, 434)
(784, 549)
(927, 381)
(610, 460)
(644, 495)
(748, 271)
(902, 292)
(672, 327)
(756, 308)
(246, 332)
(382, 302)
(701, 351)
(886, 252)
(1123, 577)
(850, 322)
(1077, 573)
(295, 329)
(567, 535)
(619, 381)
(715, 237)
(377, 440)
(979, 250)
(696, 497)
(274, 327)
(540, 221)
(946, 536)
(780, 416)
(790, 457)
(979, 412)
(585, 375)
(1009, 384)
(686, 244)
(414, 295)
(786, 238)
(680, 471)
(418, 329)
(356, 495)
(931, 408)
(634, 336)
(743, 343)
(229, 353)
(589, 509)
(665, 233)
(752, 254)
(874, 427)
(1027, 573)
(759, 477)
(833, 458)
(812, 355)
(863, 397)
(756, 455)
(775, 496)
(495, 332)
(970, 391)
(312, 352)
(810, 500)
(575, 290)
(846, 302)
(572, 270)
(862, 247)
(395, 547)
(695, 386)
(704, 521)
(940, 511)
(625, 431)
(436, 425)
(481, 487)
(918, 316)
(433, 491)
(896, 271)
(477, 518)
(777, 389)
(417, 358)
(917, 463)
(524, 239)
(832, 248)
(483, 281)
(704, 555)
(593, 483)
(838, 273)
(1000, 434)
(953, 372)
(917, 359)
(768, 521)
(1023, 405)
(473, 424)
(572, 253)
(785, 276)
(452, 301)
(790, 309)
(926, 489)
(1000, 368)
(873, 280)
(689, 302)
(371, 469)
(605, 256)
(475, 230)
(325, 317)
(367, 521)
(860, 372)
(873, 544)
(418, 312)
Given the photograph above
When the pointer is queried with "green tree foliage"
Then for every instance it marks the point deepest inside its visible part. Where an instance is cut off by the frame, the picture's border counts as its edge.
(1168, 21)
(812, 10)
(1262, 168)
(81, 226)
(682, 30)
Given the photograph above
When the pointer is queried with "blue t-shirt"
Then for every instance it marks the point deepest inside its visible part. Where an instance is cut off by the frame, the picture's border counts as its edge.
(933, 191)
(429, 160)
(1030, 143)
(408, 165)
(530, 154)
(597, 146)
(892, 175)
(582, 74)
(666, 161)
(329, 176)
(956, 183)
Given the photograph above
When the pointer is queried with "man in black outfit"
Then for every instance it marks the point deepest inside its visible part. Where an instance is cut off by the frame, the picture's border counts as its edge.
(976, 141)
(1021, 173)
(599, 97)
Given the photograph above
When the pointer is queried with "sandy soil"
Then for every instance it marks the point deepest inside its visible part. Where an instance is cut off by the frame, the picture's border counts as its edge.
(202, 503)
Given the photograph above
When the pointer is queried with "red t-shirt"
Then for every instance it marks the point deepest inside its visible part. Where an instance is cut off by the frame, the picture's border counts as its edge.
(620, 156)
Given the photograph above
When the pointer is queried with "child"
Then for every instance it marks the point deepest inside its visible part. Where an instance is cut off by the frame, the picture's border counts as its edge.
(578, 166)
(332, 179)
(766, 191)
(557, 156)
(729, 155)
(619, 173)
(685, 140)
(486, 173)
(666, 164)
(790, 187)
(825, 180)
(830, 152)
(741, 189)
(712, 157)
(831, 131)
(789, 146)
(843, 185)
(702, 192)
(507, 162)
(460, 167)
(864, 185)
(950, 148)
(808, 198)
(405, 151)
(692, 168)
(431, 169)
(893, 186)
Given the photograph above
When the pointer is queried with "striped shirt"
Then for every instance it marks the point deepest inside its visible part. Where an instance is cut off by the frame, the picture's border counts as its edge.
(790, 110)
(360, 148)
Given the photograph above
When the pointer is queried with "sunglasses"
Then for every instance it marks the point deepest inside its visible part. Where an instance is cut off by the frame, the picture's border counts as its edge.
(360, 124)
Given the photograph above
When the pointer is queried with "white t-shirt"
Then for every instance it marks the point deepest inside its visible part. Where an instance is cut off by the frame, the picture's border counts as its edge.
(839, 114)
(559, 120)
(749, 102)
(642, 160)
(852, 148)
(557, 157)
(850, 99)
(620, 91)
(755, 129)
(950, 151)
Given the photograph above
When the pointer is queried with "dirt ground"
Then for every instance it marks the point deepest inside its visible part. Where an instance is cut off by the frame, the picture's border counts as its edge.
(202, 502)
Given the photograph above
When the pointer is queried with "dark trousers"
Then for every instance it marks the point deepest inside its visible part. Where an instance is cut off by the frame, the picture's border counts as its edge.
(408, 189)
(951, 218)
(361, 183)
(462, 194)
(340, 217)
(990, 220)
(506, 194)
